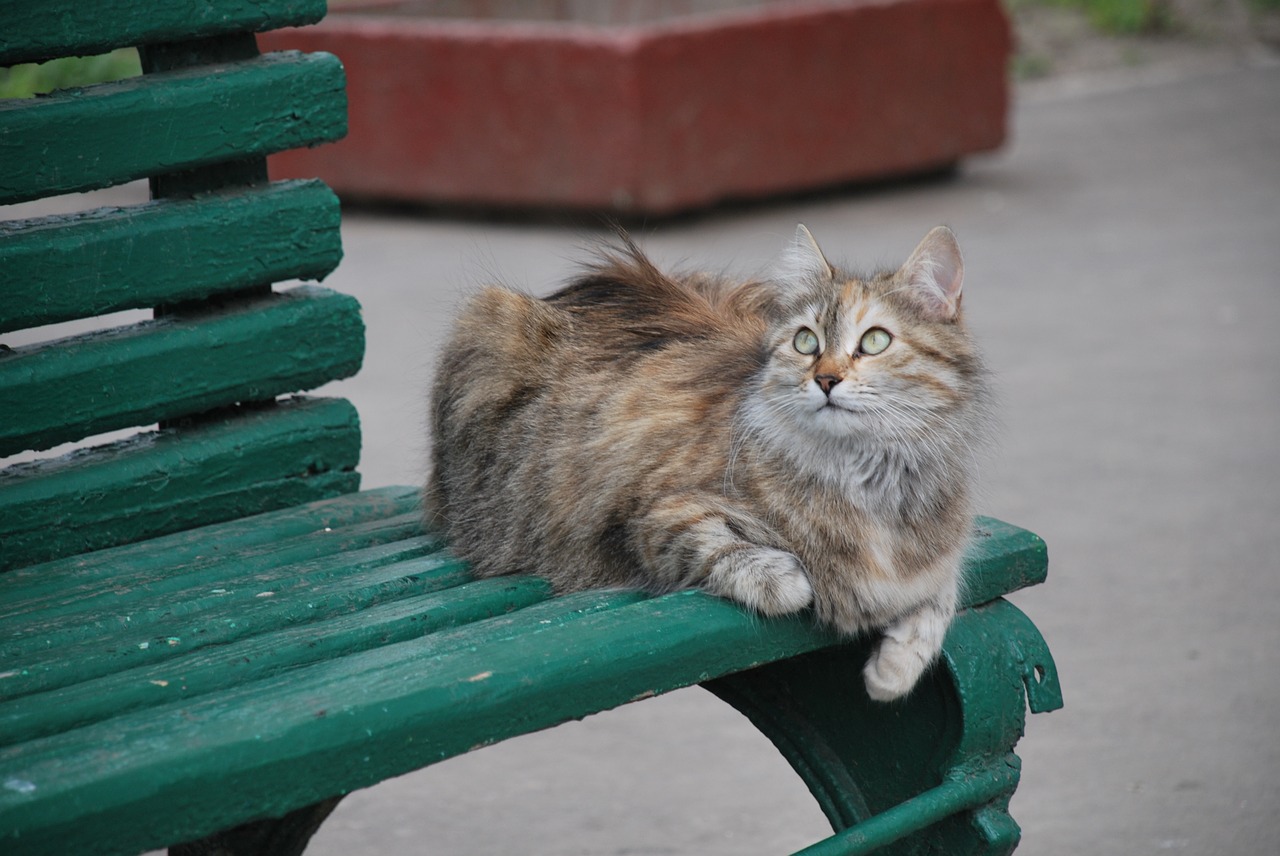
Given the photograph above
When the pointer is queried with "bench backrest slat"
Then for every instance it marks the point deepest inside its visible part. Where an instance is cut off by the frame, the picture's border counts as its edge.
(204, 254)
(222, 469)
(158, 370)
(34, 32)
(169, 121)
(60, 268)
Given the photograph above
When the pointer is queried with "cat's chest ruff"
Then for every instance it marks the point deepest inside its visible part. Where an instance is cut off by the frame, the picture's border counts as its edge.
(887, 567)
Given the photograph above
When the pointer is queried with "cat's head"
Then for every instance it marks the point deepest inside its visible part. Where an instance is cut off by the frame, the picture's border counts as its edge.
(882, 359)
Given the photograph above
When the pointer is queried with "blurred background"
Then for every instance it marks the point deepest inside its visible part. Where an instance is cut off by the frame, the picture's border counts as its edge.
(1115, 186)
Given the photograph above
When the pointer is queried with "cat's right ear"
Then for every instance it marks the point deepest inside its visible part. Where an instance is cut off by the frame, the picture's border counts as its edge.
(801, 264)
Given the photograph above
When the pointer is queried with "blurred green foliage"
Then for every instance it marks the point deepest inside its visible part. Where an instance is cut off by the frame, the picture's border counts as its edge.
(30, 79)
(1116, 17)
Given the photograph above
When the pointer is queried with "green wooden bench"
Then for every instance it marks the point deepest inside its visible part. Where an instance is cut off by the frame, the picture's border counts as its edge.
(207, 635)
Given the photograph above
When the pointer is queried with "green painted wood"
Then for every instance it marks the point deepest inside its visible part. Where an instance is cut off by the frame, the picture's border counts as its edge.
(69, 653)
(238, 538)
(213, 668)
(1001, 558)
(133, 589)
(82, 265)
(176, 366)
(298, 451)
(32, 32)
(292, 534)
(169, 121)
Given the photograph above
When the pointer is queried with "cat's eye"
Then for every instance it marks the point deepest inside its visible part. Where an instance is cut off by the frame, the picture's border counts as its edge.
(874, 341)
(806, 341)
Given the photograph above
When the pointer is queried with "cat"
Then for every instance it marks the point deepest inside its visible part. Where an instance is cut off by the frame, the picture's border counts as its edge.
(808, 438)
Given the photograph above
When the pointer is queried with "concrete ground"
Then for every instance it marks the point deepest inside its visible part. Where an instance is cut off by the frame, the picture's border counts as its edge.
(1123, 272)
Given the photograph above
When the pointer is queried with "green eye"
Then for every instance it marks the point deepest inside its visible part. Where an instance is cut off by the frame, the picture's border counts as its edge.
(806, 341)
(875, 341)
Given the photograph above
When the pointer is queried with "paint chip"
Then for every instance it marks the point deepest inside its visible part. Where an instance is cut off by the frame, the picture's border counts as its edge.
(161, 683)
(22, 786)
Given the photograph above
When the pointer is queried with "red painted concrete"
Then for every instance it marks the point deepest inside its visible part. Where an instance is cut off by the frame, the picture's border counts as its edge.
(658, 117)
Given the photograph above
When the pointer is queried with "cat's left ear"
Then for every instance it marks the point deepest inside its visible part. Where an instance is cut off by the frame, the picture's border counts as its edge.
(934, 275)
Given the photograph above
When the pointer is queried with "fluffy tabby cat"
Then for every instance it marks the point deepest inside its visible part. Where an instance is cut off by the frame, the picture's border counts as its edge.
(806, 439)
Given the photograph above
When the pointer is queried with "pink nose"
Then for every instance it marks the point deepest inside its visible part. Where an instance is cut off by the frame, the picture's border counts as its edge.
(826, 382)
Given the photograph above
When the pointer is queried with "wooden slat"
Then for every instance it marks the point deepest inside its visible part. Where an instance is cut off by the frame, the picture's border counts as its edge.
(74, 601)
(116, 132)
(299, 451)
(133, 604)
(51, 28)
(170, 627)
(1001, 558)
(174, 366)
(209, 669)
(274, 537)
(78, 266)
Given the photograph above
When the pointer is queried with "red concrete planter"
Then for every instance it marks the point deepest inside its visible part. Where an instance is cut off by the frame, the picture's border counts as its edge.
(658, 115)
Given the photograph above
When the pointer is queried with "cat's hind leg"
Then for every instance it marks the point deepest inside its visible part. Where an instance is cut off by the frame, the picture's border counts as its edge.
(688, 540)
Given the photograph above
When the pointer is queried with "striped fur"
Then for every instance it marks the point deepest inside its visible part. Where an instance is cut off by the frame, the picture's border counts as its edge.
(645, 430)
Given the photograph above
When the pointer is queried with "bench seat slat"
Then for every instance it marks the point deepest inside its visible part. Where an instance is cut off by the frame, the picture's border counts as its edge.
(173, 367)
(201, 613)
(53, 28)
(314, 555)
(156, 483)
(161, 638)
(169, 121)
(66, 267)
(210, 669)
(244, 535)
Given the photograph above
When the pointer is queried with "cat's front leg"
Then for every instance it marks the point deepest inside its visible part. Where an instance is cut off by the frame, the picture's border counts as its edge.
(769, 581)
(689, 541)
(907, 648)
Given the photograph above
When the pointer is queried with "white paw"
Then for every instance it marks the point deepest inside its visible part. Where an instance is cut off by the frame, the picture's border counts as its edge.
(769, 581)
(895, 667)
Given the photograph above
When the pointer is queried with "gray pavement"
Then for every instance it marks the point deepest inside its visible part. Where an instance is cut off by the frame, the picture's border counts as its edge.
(1123, 267)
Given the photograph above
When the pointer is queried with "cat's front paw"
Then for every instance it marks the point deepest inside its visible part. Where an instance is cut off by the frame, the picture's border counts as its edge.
(894, 668)
(769, 581)
(908, 647)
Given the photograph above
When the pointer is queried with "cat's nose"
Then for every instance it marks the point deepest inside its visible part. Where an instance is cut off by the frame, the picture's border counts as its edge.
(826, 382)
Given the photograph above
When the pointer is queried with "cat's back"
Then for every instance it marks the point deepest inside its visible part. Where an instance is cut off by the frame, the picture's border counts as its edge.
(624, 304)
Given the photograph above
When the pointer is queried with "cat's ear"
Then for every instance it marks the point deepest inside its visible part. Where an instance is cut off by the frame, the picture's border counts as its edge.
(934, 275)
(802, 263)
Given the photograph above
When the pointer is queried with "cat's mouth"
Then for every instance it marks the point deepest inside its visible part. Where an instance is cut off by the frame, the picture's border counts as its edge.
(829, 405)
